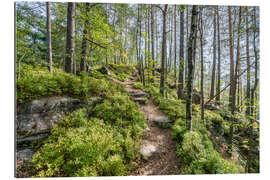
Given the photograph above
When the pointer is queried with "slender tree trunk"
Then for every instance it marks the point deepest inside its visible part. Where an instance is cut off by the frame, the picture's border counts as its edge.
(248, 66)
(181, 58)
(202, 69)
(187, 33)
(84, 40)
(191, 49)
(175, 77)
(235, 80)
(219, 58)
(70, 40)
(152, 40)
(256, 65)
(170, 48)
(148, 42)
(231, 59)
(163, 58)
(212, 91)
(231, 78)
(49, 37)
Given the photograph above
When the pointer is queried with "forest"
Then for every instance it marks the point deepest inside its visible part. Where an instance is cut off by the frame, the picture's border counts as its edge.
(136, 89)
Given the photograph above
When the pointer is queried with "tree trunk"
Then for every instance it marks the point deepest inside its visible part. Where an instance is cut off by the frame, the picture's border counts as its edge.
(187, 33)
(201, 43)
(152, 40)
(231, 78)
(70, 39)
(256, 65)
(163, 55)
(231, 60)
(84, 40)
(181, 58)
(191, 49)
(175, 77)
(248, 66)
(49, 37)
(212, 91)
(219, 58)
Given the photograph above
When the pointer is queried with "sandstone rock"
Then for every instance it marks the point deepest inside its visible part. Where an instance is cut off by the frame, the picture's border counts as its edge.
(162, 119)
(104, 70)
(140, 94)
(25, 155)
(147, 149)
(42, 114)
(210, 107)
(140, 100)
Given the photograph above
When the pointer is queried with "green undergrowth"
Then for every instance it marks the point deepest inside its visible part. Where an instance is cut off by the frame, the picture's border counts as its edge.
(86, 145)
(121, 72)
(196, 150)
(35, 81)
(100, 139)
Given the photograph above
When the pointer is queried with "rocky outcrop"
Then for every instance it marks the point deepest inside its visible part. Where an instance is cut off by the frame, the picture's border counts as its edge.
(147, 149)
(196, 96)
(162, 121)
(211, 107)
(140, 97)
(35, 119)
(104, 70)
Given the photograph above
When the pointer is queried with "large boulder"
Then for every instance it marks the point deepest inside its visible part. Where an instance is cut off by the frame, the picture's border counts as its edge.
(40, 115)
(211, 107)
(104, 70)
(140, 100)
(196, 96)
(139, 94)
(163, 121)
(147, 149)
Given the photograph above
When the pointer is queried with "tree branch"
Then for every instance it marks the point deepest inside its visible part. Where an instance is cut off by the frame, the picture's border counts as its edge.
(226, 87)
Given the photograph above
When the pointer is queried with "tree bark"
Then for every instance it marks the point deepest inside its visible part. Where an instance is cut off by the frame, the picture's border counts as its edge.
(202, 69)
(175, 76)
(70, 39)
(219, 58)
(256, 65)
(181, 58)
(212, 91)
(248, 66)
(84, 40)
(191, 49)
(231, 79)
(187, 33)
(231, 59)
(163, 55)
(49, 37)
(152, 40)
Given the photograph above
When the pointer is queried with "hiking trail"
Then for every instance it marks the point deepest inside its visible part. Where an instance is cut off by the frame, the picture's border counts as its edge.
(157, 143)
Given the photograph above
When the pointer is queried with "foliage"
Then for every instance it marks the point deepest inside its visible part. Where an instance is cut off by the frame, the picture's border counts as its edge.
(36, 82)
(199, 156)
(123, 113)
(121, 71)
(101, 143)
(83, 146)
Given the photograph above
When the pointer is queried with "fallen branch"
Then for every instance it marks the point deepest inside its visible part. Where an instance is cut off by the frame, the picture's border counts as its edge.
(226, 86)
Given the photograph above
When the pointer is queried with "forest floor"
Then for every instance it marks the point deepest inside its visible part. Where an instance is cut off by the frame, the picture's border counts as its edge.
(165, 160)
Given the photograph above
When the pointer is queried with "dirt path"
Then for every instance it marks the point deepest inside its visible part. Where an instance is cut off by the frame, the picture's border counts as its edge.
(165, 160)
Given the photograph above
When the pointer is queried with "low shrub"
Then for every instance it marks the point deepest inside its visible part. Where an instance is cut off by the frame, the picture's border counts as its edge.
(122, 112)
(83, 146)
